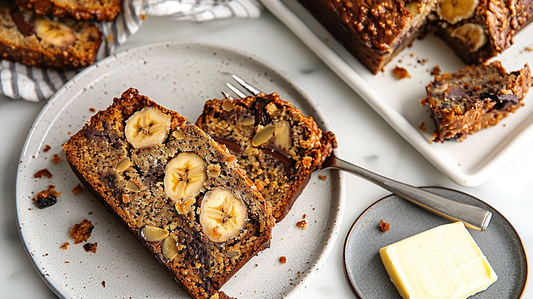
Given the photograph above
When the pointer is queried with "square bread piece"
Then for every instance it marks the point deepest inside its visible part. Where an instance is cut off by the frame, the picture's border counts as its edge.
(477, 97)
(443, 262)
(176, 190)
(275, 144)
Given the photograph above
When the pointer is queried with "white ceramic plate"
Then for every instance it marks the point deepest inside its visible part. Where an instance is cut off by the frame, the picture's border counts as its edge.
(368, 278)
(180, 76)
(468, 163)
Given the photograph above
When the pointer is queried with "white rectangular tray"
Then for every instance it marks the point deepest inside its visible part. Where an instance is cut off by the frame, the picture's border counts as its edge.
(468, 163)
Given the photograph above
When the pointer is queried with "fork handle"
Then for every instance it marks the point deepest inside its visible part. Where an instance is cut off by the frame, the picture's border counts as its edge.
(472, 216)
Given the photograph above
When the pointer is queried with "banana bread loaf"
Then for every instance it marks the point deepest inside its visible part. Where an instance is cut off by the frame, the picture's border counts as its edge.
(99, 10)
(376, 30)
(178, 191)
(373, 31)
(275, 144)
(475, 98)
(44, 42)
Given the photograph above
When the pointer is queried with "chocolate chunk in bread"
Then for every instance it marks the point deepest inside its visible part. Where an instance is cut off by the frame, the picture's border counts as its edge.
(40, 41)
(275, 144)
(175, 189)
(475, 98)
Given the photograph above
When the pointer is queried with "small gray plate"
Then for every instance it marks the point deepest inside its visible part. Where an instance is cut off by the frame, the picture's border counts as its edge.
(366, 273)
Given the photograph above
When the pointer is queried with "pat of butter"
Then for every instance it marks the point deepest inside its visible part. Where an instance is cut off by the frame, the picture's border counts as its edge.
(444, 262)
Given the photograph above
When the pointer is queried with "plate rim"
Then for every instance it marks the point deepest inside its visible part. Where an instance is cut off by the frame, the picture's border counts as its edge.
(520, 139)
(360, 217)
(336, 212)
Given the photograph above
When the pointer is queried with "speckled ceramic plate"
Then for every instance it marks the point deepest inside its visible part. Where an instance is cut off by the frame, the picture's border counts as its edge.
(180, 76)
(368, 277)
(468, 163)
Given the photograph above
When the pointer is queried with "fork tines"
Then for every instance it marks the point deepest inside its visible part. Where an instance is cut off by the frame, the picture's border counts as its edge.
(246, 85)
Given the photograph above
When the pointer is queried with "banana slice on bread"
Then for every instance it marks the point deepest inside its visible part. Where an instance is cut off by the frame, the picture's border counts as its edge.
(184, 178)
(55, 33)
(147, 127)
(222, 215)
(453, 11)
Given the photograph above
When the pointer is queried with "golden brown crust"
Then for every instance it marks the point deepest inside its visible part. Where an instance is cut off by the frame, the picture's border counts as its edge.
(280, 172)
(105, 11)
(201, 265)
(475, 98)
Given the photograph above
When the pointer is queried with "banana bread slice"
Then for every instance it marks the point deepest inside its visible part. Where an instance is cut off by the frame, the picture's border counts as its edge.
(98, 10)
(275, 144)
(44, 42)
(178, 191)
(475, 98)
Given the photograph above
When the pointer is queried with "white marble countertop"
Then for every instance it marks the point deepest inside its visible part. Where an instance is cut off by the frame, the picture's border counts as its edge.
(364, 139)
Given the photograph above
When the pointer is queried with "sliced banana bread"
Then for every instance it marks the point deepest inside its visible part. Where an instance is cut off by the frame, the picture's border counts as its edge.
(44, 42)
(275, 144)
(475, 98)
(178, 191)
(99, 10)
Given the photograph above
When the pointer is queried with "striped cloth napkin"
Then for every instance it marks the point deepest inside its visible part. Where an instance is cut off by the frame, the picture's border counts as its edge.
(19, 81)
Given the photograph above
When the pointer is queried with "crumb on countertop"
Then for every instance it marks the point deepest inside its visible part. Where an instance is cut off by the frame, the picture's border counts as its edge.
(46, 148)
(283, 259)
(322, 177)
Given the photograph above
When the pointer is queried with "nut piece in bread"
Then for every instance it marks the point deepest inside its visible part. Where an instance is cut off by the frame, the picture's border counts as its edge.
(275, 144)
(202, 231)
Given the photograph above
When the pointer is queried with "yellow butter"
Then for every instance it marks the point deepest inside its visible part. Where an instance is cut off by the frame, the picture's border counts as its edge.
(444, 262)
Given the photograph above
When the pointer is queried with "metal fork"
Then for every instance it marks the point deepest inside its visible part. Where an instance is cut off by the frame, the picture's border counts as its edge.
(473, 217)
